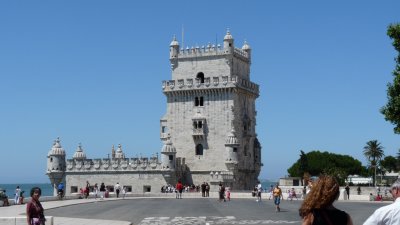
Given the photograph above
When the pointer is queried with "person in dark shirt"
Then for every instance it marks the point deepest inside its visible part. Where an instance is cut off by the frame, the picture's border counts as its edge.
(317, 208)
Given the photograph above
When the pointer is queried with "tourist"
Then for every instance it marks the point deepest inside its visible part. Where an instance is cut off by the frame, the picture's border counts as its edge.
(4, 197)
(16, 195)
(292, 194)
(95, 190)
(221, 192)
(228, 193)
(203, 189)
(207, 190)
(179, 189)
(277, 192)
(258, 191)
(117, 188)
(304, 192)
(271, 192)
(347, 188)
(34, 210)
(102, 191)
(123, 192)
(60, 190)
(317, 208)
(21, 197)
(390, 214)
(87, 189)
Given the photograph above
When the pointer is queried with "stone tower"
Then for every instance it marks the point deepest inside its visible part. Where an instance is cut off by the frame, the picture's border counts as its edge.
(211, 114)
(56, 165)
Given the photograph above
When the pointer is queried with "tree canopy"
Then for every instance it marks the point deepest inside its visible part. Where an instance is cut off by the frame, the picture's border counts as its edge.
(391, 110)
(330, 163)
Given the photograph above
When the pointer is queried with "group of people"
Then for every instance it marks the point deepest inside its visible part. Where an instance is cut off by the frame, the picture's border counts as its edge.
(317, 207)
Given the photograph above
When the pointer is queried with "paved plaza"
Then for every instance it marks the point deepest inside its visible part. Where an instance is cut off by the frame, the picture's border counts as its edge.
(190, 211)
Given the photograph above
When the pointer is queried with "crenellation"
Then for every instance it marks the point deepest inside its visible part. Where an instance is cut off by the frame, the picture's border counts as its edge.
(227, 81)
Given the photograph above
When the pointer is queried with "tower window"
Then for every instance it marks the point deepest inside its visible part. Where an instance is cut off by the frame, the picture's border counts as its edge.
(164, 129)
(51, 159)
(234, 149)
(199, 149)
(200, 76)
(198, 101)
(171, 157)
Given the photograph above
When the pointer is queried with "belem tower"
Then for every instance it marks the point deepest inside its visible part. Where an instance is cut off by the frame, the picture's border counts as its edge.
(208, 130)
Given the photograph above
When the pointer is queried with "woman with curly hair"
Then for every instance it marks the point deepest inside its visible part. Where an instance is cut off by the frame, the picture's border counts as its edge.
(317, 208)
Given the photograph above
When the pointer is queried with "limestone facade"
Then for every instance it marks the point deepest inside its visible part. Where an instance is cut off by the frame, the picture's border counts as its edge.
(208, 129)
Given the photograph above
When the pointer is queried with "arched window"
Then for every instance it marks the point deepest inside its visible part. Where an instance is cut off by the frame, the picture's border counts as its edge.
(200, 76)
(199, 149)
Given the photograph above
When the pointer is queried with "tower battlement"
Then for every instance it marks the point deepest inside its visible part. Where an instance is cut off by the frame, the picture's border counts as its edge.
(211, 50)
(210, 83)
(127, 164)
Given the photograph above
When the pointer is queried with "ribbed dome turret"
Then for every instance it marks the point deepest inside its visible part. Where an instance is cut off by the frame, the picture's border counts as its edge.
(228, 35)
(174, 42)
(119, 154)
(231, 139)
(79, 154)
(246, 46)
(57, 149)
(168, 147)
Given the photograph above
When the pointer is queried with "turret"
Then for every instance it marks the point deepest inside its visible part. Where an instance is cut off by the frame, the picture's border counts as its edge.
(79, 154)
(119, 154)
(231, 147)
(168, 155)
(228, 42)
(174, 49)
(56, 165)
(246, 47)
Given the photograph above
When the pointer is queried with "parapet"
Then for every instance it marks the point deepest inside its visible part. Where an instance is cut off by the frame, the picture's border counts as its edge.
(210, 82)
(127, 164)
(211, 50)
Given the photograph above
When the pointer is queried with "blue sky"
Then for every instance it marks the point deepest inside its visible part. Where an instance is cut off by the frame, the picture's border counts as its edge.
(90, 72)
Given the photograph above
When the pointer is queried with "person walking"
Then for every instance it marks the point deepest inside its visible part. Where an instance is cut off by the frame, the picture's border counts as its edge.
(17, 195)
(390, 214)
(179, 189)
(347, 188)
(228, 193)
(87, 190)
(221, 192)
(207, 190)
(271, 192)
(60, 190)
(203, 189)
(259, 190)
(102, 190)
(117, 188)
(317, 208)
(277, 192)
(34, 210)
(123, 192)
(95, 190)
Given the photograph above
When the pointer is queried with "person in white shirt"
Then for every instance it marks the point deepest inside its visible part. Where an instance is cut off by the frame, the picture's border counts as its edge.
(17, 195)
(117, 189)
(390, 214)
(259, 190)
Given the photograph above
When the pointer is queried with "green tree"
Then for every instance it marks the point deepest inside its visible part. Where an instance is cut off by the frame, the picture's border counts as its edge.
(329, 163)
(374, 153)
(391, 110)
(389, 163)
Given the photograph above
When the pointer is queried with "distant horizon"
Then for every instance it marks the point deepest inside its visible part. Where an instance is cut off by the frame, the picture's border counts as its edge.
(90, 72)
